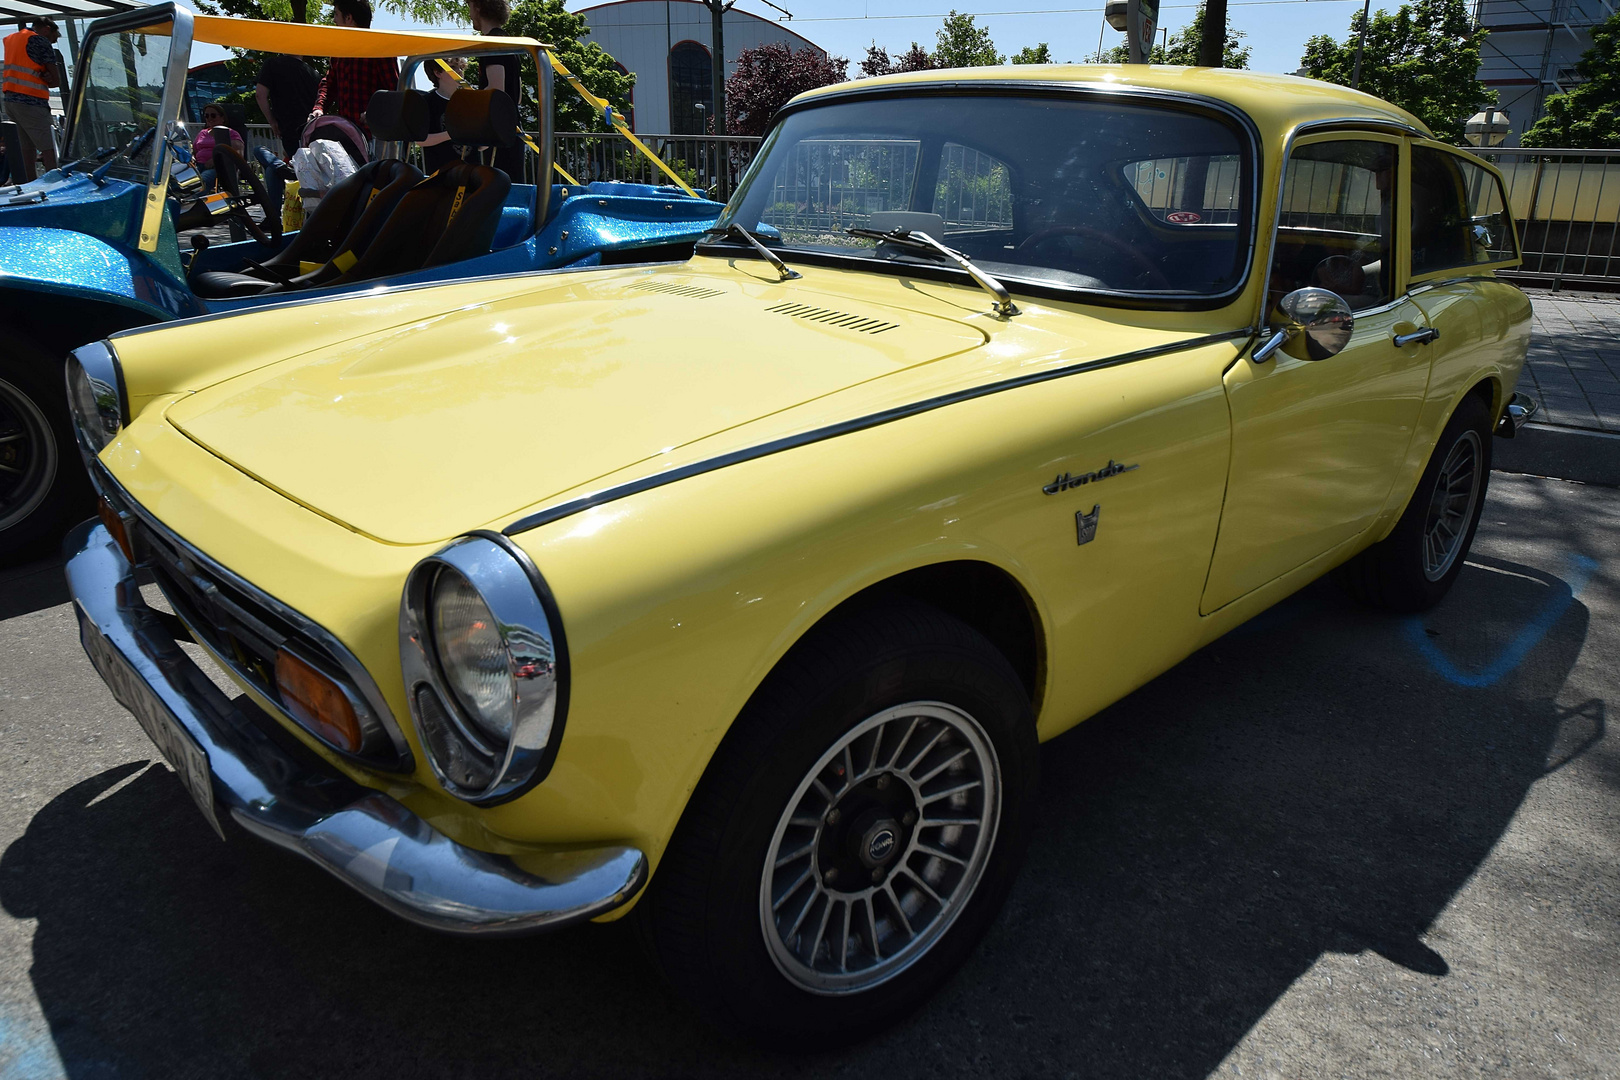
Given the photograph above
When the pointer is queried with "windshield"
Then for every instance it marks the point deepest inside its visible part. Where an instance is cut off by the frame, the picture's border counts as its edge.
(1064, 191)
(123, 94)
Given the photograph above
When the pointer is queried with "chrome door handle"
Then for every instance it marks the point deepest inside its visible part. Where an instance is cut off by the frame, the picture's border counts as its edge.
(1417, 337)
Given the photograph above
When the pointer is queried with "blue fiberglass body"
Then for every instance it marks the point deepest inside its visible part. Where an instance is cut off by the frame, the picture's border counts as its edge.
(72, 237)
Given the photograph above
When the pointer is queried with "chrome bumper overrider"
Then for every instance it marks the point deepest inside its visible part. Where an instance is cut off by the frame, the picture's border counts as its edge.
(1520, 408)
(281, 793)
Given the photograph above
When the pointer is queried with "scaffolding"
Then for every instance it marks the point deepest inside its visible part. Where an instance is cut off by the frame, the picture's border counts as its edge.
(1532, 51)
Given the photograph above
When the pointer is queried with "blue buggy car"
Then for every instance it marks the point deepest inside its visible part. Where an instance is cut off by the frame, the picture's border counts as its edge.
(95, 246)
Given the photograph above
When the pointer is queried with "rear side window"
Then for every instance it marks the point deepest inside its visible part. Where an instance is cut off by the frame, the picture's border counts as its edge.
(1459, 217)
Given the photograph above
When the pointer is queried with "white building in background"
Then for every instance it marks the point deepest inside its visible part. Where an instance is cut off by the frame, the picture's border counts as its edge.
(669, 46)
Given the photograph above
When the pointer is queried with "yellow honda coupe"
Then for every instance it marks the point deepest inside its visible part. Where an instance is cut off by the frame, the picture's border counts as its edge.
(736, 594)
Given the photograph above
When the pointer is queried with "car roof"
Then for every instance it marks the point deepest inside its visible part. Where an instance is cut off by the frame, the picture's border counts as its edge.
(304, 39)
(1272, 101)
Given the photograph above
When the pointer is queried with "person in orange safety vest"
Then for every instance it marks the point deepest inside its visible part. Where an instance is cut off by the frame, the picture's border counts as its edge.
(30, 71)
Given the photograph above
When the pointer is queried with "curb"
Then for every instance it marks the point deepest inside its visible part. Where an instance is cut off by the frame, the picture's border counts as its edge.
(1590, 457)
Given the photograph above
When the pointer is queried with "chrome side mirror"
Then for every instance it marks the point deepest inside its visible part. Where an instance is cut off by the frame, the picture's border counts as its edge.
(1309, 324)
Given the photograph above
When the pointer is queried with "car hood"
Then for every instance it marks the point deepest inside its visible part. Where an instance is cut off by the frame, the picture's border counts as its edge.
(421, 431)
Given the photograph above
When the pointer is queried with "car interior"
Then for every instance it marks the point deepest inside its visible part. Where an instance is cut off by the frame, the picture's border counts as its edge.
(387, 218)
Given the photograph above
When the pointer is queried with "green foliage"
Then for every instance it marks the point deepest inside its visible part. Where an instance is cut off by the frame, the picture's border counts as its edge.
(1588, 115)
(1423, 58)
(960, 43)
(1032, 54)
(1182, 50)
(548, 21)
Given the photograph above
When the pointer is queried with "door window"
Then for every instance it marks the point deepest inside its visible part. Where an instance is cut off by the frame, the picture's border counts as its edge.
(1334, 222)
(1459, 217)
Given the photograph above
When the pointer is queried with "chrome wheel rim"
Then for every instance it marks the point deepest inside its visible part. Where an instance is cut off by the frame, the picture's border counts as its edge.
(1451, 506)
(880, 848)
(27, 456)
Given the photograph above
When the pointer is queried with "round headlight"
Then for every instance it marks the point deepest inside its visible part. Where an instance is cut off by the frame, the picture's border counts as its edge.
(94, 397)
(473, 655)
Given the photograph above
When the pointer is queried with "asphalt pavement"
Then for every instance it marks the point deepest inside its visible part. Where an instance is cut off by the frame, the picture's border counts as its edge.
(1333, 843)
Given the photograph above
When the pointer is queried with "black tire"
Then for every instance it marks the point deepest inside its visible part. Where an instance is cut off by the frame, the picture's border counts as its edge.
(705, 915)
(48, 491)
(1405, 571)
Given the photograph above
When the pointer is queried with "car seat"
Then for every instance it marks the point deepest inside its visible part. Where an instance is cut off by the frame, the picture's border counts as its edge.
(346, 220)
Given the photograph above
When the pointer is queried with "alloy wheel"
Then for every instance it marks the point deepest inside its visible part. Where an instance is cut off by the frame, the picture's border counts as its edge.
(880, 847)
(27, 456)
(1451, 505)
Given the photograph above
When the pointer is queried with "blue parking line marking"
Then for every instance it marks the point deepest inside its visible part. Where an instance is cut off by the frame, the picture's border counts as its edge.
(1579, 573)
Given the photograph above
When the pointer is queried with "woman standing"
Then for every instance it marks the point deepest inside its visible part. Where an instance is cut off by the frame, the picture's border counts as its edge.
(500, 72)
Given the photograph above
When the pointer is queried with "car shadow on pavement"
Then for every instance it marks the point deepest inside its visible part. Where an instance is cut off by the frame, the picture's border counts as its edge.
(31, 587)
(1309, 783)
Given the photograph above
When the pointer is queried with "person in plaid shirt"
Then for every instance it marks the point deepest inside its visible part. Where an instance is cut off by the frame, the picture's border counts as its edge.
(351, 80)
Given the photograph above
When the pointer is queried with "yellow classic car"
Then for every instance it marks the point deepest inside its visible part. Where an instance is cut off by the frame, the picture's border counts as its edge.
(736, 594)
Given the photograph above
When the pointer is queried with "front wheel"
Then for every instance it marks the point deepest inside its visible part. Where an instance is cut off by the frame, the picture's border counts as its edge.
(854, 836)
(1416, 564)
(42, 484)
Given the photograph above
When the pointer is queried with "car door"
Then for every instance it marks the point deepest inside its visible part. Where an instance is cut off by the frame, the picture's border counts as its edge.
(1316, 445)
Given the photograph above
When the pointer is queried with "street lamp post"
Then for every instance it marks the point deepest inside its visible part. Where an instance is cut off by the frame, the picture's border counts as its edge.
(1361, 45)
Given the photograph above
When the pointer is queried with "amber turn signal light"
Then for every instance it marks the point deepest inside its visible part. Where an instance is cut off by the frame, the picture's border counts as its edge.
(115, 526)
(316, 702)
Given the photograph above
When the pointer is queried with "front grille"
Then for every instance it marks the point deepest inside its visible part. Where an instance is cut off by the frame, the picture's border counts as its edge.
(247, 634)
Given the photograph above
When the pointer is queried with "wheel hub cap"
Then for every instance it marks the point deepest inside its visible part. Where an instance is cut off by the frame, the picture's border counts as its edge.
(1451, 505)
(880, 848)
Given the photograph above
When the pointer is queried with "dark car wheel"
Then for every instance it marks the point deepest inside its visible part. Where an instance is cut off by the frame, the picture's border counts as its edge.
(42, 483)
(854, 836)
(1415, 565)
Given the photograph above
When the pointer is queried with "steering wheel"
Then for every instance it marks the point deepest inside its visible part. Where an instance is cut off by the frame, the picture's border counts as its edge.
(1134, 255)
(231, 169)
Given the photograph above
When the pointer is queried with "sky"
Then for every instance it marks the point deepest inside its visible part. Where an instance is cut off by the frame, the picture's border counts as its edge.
(1276, 29)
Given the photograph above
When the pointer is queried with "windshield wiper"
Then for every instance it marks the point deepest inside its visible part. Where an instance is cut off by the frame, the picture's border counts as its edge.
(921, 241)
(737, 231)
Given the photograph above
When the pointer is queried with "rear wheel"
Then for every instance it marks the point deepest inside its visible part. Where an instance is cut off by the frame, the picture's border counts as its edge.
(42, 483)
(854, 836)
(1413, 567)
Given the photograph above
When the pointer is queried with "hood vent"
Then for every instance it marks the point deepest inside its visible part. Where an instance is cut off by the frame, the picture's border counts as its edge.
(695, 292)
(859, 323)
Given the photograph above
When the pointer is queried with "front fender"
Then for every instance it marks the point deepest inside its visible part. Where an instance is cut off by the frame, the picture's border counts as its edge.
(59, 262)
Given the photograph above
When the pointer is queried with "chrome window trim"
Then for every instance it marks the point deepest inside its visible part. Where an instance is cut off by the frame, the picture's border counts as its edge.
(510, 585)
(1350, 125)
(1017, 87)
(615, 492)
(356, 672)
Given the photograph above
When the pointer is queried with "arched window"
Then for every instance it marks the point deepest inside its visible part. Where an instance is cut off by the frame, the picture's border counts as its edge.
(690, 72)
(630, 117)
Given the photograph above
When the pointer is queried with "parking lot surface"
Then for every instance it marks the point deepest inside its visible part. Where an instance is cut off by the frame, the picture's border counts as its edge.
(1333, 843)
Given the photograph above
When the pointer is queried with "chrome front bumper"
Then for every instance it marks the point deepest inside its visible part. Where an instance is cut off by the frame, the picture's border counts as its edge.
(278, 791)
(1518, 411)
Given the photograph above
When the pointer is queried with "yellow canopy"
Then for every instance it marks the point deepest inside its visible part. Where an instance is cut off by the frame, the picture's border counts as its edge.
(303, 39)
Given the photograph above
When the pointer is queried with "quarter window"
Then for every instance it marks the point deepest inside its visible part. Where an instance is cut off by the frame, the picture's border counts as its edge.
(1334, 222)
(1458, 214)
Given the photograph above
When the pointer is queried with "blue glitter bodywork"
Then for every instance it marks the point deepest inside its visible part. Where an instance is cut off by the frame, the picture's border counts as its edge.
(79, 241)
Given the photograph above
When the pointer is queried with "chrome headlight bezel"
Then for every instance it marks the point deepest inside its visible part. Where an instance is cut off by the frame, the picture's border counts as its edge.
(468, 763)
(97, 400)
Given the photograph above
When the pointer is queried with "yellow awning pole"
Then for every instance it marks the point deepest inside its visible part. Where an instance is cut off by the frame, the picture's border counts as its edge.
(619, 125)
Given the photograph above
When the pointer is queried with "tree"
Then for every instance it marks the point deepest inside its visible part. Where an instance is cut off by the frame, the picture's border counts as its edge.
(1185, 45)
(959, 43)
(546, 20)
(1422, 58)
(877, 61)
(1212, 37)
(1588, 115)
(768, 76)
(1032, 54)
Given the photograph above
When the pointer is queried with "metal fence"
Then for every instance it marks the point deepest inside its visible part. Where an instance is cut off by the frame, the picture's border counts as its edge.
(1567, 205)
(709, 163)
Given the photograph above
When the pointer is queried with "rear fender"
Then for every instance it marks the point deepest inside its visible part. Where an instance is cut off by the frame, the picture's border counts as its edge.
(59, 262)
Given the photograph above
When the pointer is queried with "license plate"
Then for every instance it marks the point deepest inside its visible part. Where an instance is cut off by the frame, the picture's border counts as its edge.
(178, 748)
